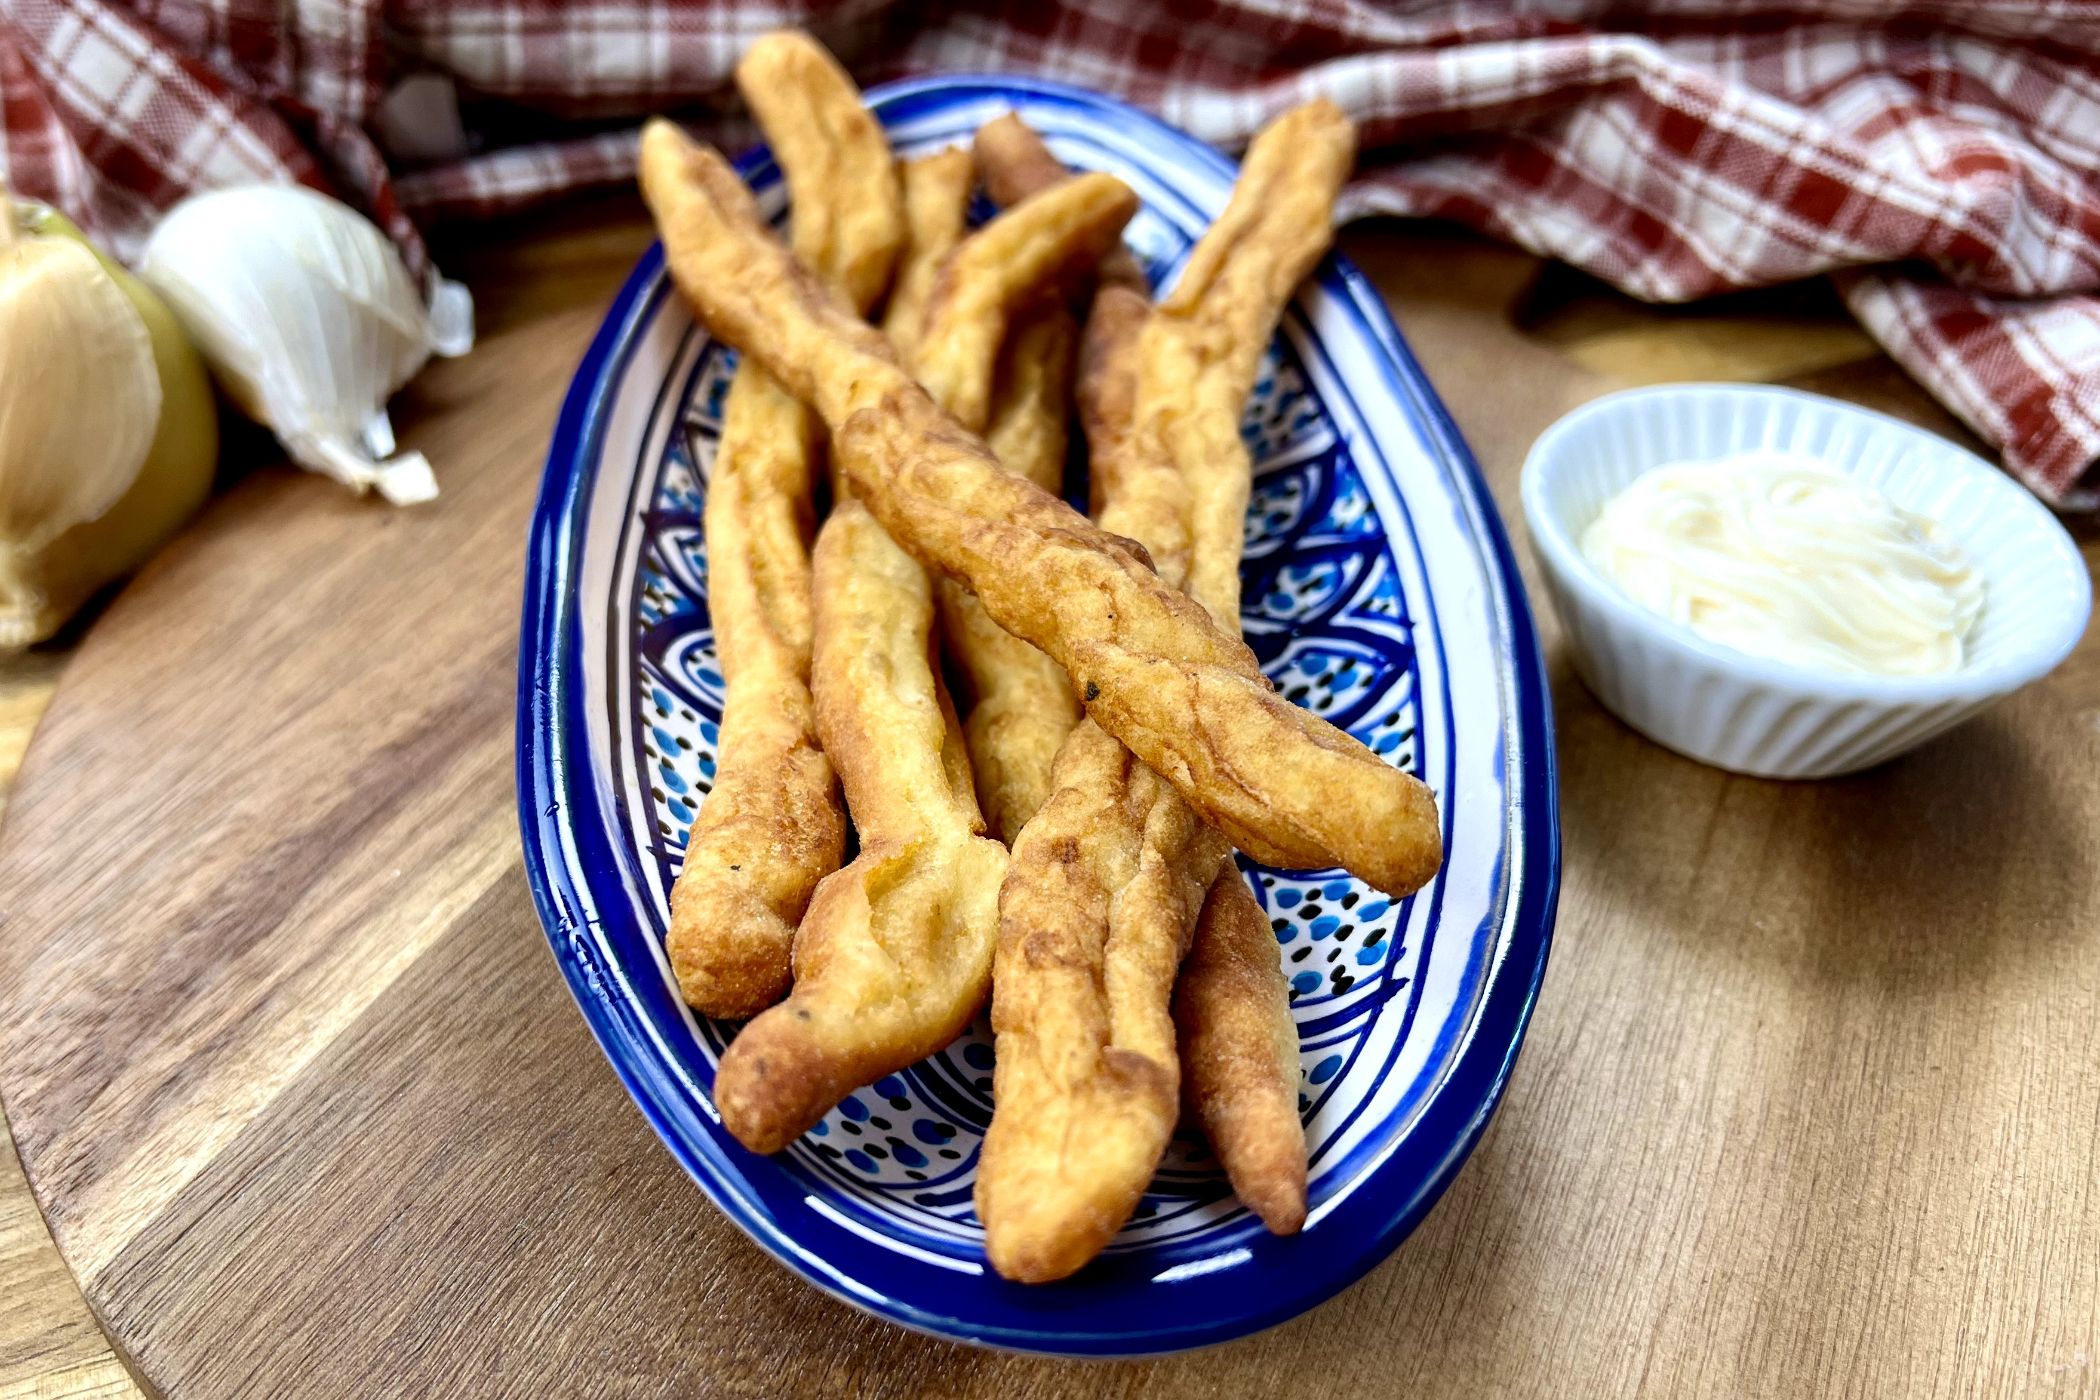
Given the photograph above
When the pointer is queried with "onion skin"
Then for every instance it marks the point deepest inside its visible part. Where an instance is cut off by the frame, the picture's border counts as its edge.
(43, 584)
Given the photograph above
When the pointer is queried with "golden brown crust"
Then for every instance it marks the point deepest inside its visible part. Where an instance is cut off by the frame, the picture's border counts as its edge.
(1107, 883)
(1204, 347)
(1152, 666)
(936, 204)
(1022, 707)
(1239, 1045)
(1014, 164)
(846, 214)
(1137, 490)
(1239, 1052)
(1282, 784)
(746, 288)
(894, 954)
(1103, 889)
(771, 826)
(1032, 396)
(1030, 253)
(1149, 497)
(1100, 895)
(916, 905)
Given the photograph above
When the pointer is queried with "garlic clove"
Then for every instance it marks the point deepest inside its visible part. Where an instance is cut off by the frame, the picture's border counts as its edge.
(310, 321)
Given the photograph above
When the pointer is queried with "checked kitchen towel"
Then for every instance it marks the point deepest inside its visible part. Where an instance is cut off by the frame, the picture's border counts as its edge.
(1941, 158)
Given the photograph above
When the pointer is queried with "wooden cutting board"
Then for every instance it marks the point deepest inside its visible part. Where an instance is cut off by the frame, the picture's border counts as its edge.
(1809, 1106)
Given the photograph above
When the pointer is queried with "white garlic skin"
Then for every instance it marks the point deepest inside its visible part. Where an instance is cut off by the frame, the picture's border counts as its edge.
(310, 322)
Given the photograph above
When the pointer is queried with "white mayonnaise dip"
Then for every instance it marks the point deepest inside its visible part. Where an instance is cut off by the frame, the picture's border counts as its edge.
(1784, 557)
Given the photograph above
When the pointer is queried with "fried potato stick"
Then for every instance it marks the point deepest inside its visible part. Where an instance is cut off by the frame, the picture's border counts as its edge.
(1014, 163)
(1027, 256)
(1106, 880)
(771, 826)
(1151, 666)
(1032, 396)
(895, 949)
(894, 956)
(1107, 885)
(936, 203)
(847, 215)
(1237, 1042)
(1022, 705)
(878, 934)
(1104, 887)
(1096, 907)
(1238, 1045)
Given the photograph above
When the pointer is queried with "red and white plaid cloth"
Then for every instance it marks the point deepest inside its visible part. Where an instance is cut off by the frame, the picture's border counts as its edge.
(1941, 157)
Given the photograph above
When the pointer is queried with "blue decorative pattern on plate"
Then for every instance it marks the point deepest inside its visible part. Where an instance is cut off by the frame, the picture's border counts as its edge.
(1380, 593)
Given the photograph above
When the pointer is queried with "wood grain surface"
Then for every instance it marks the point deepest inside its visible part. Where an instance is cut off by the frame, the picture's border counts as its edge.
(1810, 1106)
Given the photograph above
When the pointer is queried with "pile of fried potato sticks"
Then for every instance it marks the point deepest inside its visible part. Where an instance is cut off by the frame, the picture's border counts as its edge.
(1060, 841)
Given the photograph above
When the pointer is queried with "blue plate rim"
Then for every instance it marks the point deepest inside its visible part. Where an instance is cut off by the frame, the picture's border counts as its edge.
(548, 788)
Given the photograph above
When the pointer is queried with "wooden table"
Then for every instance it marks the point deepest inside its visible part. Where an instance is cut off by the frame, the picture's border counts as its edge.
(1812, 1100)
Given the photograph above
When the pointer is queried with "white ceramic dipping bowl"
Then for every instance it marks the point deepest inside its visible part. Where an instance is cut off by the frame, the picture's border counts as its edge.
(1753, 715)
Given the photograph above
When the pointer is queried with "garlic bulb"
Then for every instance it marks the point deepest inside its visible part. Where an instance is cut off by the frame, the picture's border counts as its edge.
(310, 321)
(108, 432)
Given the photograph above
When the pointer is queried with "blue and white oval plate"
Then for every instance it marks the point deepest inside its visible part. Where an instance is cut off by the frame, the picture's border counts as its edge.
(1381, 593)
